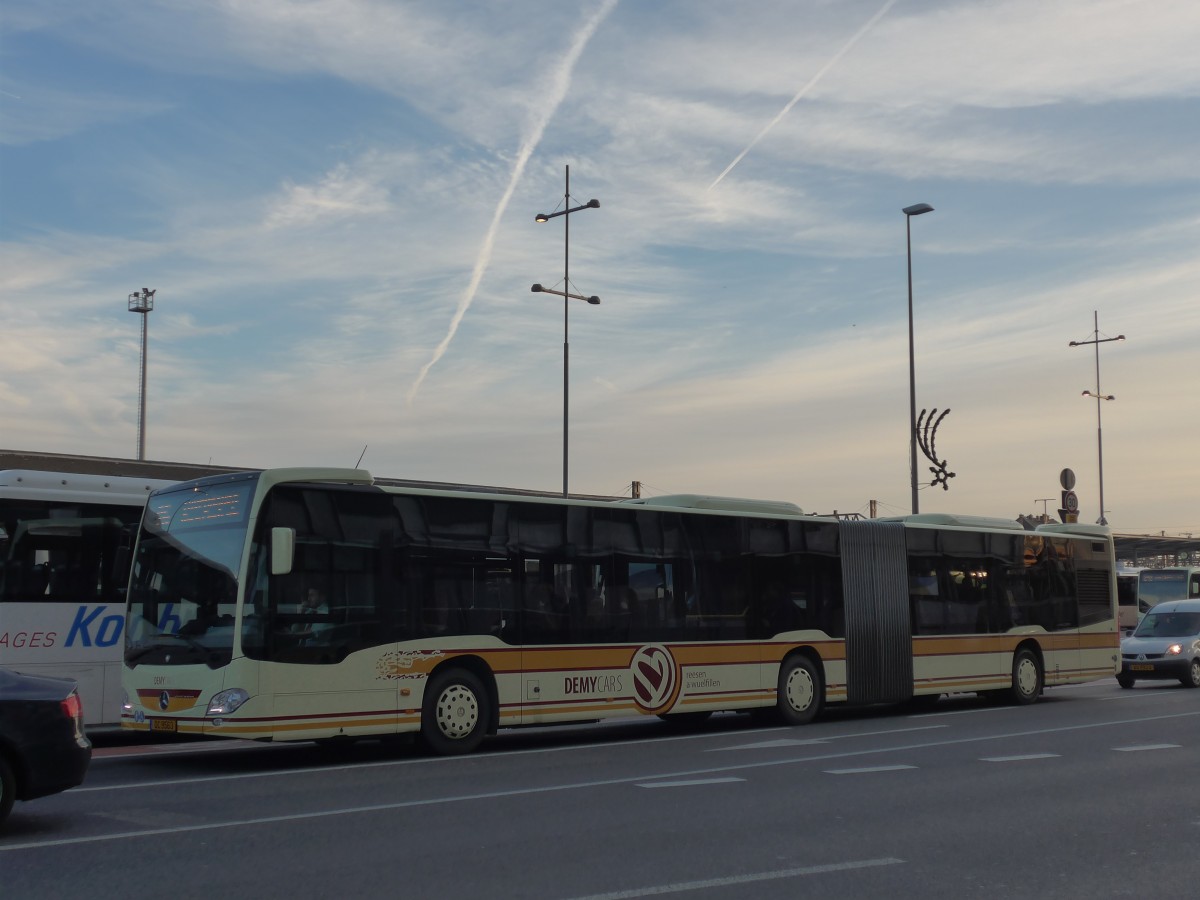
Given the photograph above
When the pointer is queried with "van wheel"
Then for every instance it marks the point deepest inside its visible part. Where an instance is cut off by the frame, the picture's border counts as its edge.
(1192, 678)
(454, 716)
(1125, 681)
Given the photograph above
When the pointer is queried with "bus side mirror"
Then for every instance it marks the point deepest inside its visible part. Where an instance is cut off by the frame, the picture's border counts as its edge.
(283, 549)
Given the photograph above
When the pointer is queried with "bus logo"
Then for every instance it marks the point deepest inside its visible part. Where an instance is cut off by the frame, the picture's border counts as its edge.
(655, 678)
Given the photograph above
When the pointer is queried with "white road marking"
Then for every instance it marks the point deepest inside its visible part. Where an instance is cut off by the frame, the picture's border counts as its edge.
(769, 745)
(866, 769)
(1021, 757)
(685, 886)
(1139, 747)
(691, 783)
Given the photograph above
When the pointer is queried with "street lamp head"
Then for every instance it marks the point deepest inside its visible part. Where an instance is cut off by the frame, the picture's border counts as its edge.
(917, 209)
(536, 289)
(595, 301)
(546, 217)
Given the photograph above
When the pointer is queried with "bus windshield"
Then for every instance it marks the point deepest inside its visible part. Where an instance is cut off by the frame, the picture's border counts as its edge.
(183, 589)
(1155, 586)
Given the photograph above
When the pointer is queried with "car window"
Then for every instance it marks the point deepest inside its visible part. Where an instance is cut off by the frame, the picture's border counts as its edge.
(1169, 624)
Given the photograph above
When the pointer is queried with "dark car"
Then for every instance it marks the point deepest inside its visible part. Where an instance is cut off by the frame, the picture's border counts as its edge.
(1165, 644)
(43, 748)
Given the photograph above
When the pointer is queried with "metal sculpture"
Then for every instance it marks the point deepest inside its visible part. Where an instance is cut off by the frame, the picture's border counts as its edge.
(926, 436)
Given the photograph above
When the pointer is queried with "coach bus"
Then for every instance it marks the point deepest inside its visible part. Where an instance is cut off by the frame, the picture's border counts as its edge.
(319, 604)
(62, 591)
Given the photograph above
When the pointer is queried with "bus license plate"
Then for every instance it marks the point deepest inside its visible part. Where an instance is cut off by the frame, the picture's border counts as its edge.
(1141, 668)
(162, 725)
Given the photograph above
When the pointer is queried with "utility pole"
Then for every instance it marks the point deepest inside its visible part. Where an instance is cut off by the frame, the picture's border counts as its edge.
(142, 303)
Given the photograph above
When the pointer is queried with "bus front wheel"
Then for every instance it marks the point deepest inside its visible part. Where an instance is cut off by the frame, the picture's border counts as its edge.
(799, 691)
(454, 717)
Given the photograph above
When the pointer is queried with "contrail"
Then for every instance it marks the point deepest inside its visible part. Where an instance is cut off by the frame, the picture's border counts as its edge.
(808, 87)
(560, 83)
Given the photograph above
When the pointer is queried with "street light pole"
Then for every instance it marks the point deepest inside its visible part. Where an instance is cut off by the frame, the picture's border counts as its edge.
(909, 212)
(565, 212)
(142, 303)
(1097, 341)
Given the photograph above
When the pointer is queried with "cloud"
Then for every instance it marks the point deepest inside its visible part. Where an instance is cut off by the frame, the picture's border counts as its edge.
(751, 339)
(340, 194)
(35, 113)
(559, 84)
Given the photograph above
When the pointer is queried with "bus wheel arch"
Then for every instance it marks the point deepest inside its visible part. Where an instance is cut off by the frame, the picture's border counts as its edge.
(1028, 674)
(459, 707)
(801, 688)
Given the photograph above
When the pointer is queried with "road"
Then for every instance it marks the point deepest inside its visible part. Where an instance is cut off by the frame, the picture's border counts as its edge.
(1088, 794)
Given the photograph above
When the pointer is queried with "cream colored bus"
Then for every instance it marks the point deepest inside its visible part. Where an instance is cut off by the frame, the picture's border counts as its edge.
(320, 604)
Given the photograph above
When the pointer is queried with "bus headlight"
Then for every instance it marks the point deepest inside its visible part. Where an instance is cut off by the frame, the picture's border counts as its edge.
(126, 706)
(224, 703)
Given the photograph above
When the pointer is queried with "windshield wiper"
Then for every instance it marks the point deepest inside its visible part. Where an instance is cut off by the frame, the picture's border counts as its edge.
(209, 653)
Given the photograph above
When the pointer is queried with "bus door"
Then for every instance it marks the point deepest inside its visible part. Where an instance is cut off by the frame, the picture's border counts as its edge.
(1052, 603)
(577, 620)
(330, 626)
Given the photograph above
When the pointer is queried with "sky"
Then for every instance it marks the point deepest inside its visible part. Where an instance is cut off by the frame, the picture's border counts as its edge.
(334, 202)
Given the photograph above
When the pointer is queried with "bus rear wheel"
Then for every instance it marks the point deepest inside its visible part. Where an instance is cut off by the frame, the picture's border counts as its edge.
(1026, 678)
(800, 692)
(454, 717)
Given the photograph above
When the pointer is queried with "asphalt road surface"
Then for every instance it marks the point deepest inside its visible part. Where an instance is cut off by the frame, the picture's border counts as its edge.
(1091, 793)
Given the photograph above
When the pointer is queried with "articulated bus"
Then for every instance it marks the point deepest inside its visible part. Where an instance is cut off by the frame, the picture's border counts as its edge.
(62, 588)
(320, 604)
